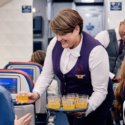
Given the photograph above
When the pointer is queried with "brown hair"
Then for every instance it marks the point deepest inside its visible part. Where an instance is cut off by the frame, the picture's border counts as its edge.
(124, 21)
(119, 90)
(38, 57)
(66, 21)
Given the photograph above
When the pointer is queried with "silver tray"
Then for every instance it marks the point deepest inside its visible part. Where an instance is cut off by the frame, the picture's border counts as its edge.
(67, 111)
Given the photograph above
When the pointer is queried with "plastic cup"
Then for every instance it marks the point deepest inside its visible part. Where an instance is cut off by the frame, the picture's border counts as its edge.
(54, 101)
(82, 101)
(73, 95)
(19, 98)
(25, 98)
(22, 97)
(68, 103)
(63, 99)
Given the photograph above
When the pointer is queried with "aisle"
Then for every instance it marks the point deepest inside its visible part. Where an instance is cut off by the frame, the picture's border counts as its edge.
(61, 119)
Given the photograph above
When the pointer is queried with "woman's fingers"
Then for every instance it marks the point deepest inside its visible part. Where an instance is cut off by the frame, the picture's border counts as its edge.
(26, 119)
(15, 117)
(75, 114)
(28, 122)
(27, 116)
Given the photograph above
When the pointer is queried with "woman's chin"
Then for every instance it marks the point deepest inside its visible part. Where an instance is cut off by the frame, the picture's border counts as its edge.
(65, 46)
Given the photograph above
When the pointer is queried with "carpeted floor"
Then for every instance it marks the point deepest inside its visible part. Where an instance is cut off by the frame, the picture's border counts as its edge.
(61, 119)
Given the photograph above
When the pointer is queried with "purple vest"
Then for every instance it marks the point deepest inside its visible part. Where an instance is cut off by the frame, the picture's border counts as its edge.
(72, 82)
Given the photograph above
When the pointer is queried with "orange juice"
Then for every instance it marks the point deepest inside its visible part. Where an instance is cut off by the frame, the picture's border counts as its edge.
(81, 105)
(54, 101)
(23, 98)
(19, 98)
(54, 106)
(69, 107)
(68, 103)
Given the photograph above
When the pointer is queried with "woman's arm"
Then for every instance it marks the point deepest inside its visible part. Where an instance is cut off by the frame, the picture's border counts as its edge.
(99, 69)
(47, 74)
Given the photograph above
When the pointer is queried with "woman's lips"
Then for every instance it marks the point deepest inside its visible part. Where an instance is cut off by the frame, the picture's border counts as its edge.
(63, 42)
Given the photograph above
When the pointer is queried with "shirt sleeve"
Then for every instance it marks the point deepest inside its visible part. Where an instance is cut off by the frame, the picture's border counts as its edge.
(53, 88)
(99, 69)
(111, 75)
(47, 74)
(103, 38)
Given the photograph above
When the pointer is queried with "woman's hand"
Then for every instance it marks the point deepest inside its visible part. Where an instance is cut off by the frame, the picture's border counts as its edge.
(25, 120)
(78, 114)
(32, 97)
(117, 79)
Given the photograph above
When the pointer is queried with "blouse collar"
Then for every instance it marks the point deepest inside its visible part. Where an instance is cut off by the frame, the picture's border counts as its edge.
(76, 51)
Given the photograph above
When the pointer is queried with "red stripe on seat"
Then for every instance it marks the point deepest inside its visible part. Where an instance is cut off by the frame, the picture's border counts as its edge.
(29, 63)
(21, 72)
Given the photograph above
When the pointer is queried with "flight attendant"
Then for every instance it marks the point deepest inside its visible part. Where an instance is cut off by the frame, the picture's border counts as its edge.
(81, 63)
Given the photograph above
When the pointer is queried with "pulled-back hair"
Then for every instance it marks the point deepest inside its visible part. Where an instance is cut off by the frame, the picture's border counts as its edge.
(38, 57)
(119, 90)
(66, 21)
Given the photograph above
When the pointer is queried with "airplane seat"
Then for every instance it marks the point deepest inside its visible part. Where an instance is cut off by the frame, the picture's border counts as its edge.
(15, 81)
(33, 70)
(7, 114)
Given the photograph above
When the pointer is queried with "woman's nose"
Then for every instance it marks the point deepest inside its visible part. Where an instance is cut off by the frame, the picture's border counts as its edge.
(58, 37)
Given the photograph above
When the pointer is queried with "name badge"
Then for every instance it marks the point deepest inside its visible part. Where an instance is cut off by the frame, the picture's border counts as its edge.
(80, 76)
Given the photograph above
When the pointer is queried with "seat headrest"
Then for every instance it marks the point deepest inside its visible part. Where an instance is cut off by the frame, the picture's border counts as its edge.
(24, 63)
(7, 113)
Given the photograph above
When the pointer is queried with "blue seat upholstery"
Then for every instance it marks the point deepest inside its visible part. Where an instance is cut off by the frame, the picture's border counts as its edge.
(7, 114)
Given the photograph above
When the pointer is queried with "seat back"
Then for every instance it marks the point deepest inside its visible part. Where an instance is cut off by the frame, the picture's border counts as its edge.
(32, 69)
(15, 81)
(7, 114)
(34, 74)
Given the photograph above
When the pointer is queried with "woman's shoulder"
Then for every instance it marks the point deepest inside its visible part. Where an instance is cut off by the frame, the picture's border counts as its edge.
(52, 43)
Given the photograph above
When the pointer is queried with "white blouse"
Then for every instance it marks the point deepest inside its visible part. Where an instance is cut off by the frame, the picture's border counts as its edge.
(98, 66)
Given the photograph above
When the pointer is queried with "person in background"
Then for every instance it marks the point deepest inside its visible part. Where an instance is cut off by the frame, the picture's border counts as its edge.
(113, 41)
(117, 110)
(39, 57)
(25, 120)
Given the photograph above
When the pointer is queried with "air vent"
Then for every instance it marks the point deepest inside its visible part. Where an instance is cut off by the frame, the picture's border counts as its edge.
(63, 0)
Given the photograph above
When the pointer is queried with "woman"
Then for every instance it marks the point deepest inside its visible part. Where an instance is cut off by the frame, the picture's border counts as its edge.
(81, 64)
(39, 57)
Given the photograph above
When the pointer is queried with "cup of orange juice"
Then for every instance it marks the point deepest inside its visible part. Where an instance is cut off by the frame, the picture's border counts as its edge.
(82, 101)
(68, 102)
(73, 95)
(54, 101)
(22, 97)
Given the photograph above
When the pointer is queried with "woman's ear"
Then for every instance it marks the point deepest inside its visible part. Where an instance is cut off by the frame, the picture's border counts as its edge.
(77, 30)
